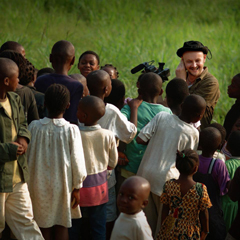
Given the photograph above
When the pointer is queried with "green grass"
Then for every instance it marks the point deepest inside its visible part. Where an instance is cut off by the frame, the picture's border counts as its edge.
(126, 33)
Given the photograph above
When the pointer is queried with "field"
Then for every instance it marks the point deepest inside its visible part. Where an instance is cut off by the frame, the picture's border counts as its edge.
(127, 33)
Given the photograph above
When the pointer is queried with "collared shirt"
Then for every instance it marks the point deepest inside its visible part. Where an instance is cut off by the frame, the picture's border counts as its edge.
(207, 87)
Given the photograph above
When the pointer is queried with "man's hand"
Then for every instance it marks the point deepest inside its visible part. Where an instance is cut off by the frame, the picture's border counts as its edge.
(75, 198)
(23, 142)
(181, 71)
(20, 149)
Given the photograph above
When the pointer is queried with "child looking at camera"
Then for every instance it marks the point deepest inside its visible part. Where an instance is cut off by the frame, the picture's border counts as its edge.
(185, 202)
(56, 165)
(132, 198)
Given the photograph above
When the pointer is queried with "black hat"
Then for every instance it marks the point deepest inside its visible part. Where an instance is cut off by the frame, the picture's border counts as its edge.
(192, 46)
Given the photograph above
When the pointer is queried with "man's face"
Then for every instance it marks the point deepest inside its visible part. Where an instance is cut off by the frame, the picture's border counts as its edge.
(194, 62)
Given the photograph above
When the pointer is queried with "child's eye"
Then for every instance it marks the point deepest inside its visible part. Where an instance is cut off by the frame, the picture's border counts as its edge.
(120, 194)
(130, 197)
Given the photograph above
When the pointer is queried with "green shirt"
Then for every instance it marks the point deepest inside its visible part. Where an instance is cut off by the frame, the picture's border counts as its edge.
(135, 151)
(8, 151)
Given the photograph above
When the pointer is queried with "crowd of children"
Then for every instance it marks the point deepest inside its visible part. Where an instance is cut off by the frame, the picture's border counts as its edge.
(78, 161)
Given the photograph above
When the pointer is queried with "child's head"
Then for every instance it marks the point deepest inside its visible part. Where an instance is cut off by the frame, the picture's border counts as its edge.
(133, 195)
(222, 130)
(117, 95)
(187, 162)
(234, 88)
(150, 85)
(8, 75)
(99, 83)
(209, 141)
(57, 100)
(111, 70)
(236, 125)
(193, 108)
(176, 92)
(90, 110)
(26, 69)
(233, 144)
(62, 54)
(45, 71)
(79, 77)
(14, 46)
(88, 62)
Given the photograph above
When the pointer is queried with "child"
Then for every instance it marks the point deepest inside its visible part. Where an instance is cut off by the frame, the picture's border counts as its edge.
(214, 174)
(166, 133)
(234, 194)
(234, 113)
(141, 113)
(100, 152)
(185, 202)
(88, 62)
(83, 81)
(111, 70)
(229, 207)
(14, 46)
(56, 166)
(132, 198)
(62, 58)
(16, 206)
(99, 84)
(117, 95)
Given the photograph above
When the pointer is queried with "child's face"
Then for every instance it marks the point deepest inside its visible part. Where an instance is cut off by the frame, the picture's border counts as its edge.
(88, 63)
(130, 200)
(234, 88)
(111, 71)
(13, 81)
(236, 126)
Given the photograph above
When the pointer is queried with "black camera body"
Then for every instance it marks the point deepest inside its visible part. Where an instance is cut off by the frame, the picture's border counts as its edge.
(149, 67)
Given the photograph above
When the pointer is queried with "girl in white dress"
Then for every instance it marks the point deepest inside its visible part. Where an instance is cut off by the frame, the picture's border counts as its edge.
(56, 165)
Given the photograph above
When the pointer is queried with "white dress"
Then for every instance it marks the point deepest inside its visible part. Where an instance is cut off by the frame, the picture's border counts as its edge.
(56, 166)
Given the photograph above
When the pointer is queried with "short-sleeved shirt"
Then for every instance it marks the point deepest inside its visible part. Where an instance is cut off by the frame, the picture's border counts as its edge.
(135, 151)
(219, 172)
(75, 88)
(166, 134)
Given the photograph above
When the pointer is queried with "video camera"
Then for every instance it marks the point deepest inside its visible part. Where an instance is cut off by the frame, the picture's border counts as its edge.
(149, 67)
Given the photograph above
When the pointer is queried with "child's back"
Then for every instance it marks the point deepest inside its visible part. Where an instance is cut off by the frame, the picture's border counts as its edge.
(150, 88)
(213, 173)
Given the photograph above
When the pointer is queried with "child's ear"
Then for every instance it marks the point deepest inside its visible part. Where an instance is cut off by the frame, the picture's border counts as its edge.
(72, 61)
(67, 107)
(78, 65)
(50, 58)
(6, 81)
(98, 67)
(145, 203)
(161, 92)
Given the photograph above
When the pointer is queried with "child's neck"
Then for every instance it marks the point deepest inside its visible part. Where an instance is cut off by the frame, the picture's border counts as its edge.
(176, 110)
(55, 116)
(62, 70)
(207, 154)
(150, 99)
(3, 96)
(90, 124)
(184, 118)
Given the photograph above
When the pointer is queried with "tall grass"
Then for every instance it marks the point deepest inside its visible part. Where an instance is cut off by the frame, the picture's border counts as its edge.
(126, 33)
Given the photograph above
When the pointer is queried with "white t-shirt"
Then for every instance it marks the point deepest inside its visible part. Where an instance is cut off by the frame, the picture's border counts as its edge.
(131, 227)
(166, 134)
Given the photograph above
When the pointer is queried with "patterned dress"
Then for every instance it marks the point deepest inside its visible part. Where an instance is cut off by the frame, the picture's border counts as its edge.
(183, 219)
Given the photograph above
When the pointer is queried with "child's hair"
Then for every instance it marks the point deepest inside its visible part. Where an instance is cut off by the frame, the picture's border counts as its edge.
(90, 52)
(57, 97)
(221, 129)
(7, 68)
(233, 143)
(117, 94)
(26, 69)
(45, 71)
(111, 66)
(186, 161)
(177, 90)
(150, 84)
(210, 139)
(11, 45)
(77, 76)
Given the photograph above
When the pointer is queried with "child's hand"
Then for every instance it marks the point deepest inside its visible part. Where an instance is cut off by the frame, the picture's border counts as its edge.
(122, 159)
(75, 198)
(23, 142)
(134, 103)
(20, 149)
(181, 70)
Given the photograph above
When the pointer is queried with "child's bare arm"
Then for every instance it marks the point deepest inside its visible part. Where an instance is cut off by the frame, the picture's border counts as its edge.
(134, 104)
(165, 211)
(203, 215)
(75, 199)
(140, 141)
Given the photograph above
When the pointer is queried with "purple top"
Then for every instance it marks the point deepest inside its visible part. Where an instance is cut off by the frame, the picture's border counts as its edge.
(75, 88)
(219, 172)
